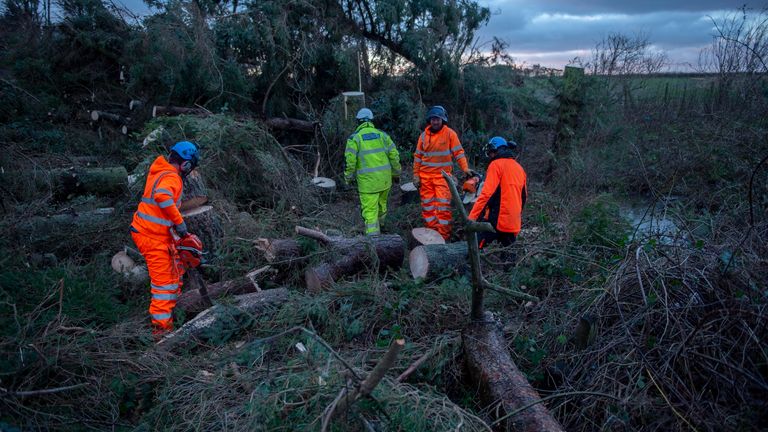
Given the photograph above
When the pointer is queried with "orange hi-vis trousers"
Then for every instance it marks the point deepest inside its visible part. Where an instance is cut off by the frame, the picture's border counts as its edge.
(436, 204)
(165, 272)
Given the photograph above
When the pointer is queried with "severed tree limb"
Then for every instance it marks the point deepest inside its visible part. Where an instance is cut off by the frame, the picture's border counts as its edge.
(349, 396)
(514, 293)
(313, 234)
(28, 393)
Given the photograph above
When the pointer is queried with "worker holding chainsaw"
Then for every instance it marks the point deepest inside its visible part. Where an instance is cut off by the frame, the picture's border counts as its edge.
(373, 162)
(436, 150)
(503, 194)
(161, 235)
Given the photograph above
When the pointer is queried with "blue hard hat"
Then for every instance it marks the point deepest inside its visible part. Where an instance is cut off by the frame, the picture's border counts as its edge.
(187, 151)
(439, 112)
(496, 142)
(365, 114)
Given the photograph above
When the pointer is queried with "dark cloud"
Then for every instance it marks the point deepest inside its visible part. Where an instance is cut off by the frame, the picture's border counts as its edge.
(557, 29)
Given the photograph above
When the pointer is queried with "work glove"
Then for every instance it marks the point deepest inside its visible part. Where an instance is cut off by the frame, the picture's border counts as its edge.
(417, 182)
(471, 173)
(181, 229)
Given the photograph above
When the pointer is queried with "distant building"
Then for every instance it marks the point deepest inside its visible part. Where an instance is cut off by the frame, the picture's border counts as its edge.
(538, 70)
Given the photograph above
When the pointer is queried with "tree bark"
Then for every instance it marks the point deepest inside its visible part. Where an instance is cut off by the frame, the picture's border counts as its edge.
(435, 260)
(171, 111)
(220, 321)
(281, 253)
(284, 123)
(113, 118)
(192, 301)
(206, 224)
(348, 256)
(136, 275)
(195, 193)
(68, 182)
(499, 381)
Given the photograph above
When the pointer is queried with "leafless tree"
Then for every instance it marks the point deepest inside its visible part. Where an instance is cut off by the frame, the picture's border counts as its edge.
(619, 54)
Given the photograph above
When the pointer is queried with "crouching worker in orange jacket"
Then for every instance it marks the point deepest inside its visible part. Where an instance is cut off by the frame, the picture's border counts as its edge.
(155, 223)
(503, 195)
(436, 150)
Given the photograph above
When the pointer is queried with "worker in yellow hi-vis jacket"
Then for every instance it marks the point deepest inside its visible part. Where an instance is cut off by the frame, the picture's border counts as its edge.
(372, 161)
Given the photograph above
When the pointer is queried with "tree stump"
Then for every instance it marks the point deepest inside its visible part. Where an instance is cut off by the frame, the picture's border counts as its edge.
(435, 260)
(206, 224)
(500, 382)
(325, 188)
(409, 194)
(194, 193)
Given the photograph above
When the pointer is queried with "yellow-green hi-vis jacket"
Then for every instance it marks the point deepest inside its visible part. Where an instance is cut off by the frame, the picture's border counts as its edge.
(372, 157)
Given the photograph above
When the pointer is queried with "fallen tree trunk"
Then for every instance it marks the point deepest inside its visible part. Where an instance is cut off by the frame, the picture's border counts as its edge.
(435, 260)
(195, 194)
(220, 322)
(281, 253)
(349, 256)
(206, 224)
(103, 115)
(170, 111)
(68, 182)
(41, 228)
(285, 123)
(192, 301)
(500, 382)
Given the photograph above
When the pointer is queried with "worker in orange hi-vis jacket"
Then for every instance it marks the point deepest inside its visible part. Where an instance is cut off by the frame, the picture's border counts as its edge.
(158, 226)
(503, 195)
(436, 150)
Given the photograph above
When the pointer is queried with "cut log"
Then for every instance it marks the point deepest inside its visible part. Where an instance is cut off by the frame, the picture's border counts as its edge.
(435, 260)
(220, 322)
(192, 302)
(43, 228)
(105, 116)
(68, 182)
(349, 256)
(135, 104)
(425, 236)
(195, 194)
(134, 274)
(409, 193)
(170, 111)
(284, 123)
(154, 136)
(500, 382)
(206, 224)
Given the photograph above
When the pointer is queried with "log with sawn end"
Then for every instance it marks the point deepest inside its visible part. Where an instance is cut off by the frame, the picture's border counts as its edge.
(435, 260)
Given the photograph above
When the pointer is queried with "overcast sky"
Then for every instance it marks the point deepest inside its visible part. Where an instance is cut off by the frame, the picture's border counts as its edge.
(552, 32)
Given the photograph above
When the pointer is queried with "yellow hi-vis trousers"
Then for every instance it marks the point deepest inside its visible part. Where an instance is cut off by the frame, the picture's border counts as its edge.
(374, 209)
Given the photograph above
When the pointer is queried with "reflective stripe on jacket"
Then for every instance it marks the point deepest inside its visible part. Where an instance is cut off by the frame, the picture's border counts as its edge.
(436, 151)
(158, 209)
(372, 157)
(503, 195)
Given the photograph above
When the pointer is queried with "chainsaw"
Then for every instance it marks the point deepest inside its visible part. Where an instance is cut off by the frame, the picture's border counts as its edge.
(470, 189)
(190, 250)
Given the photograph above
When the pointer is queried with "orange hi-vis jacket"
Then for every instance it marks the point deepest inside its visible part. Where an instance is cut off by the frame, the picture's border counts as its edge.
(436, 151)
(158, 210)
(503, 195)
